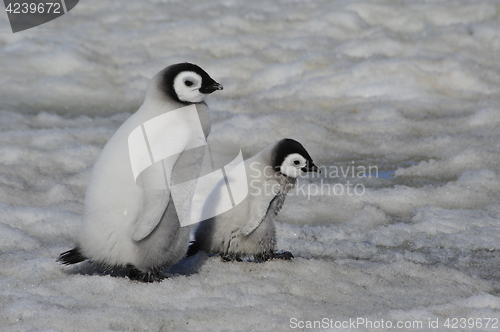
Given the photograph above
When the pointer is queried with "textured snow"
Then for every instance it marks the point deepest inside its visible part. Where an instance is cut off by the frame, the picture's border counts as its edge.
(409, 87)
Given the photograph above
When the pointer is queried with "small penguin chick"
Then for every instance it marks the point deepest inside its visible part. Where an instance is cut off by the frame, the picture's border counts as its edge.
(130, 222)
(248, 228)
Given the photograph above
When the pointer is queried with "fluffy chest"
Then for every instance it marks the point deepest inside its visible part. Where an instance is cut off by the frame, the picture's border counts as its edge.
(286, 184)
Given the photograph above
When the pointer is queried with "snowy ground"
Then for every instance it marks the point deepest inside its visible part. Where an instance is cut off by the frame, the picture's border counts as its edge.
(409, 87)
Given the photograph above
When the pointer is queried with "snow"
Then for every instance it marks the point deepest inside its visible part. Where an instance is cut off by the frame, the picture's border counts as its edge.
(411, 88)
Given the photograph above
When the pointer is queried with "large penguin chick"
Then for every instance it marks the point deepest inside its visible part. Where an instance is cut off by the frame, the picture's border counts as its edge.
(130, 222)
(248, 228)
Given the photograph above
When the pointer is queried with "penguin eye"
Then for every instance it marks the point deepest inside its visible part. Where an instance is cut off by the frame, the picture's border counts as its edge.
(296, 162)
(188, 83)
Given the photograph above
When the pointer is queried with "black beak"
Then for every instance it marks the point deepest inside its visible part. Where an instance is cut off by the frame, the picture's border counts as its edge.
(209, 88)
(310, 167)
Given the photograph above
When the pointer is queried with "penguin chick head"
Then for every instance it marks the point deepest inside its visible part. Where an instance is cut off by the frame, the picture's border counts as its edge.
(188, 83)
(291, 159)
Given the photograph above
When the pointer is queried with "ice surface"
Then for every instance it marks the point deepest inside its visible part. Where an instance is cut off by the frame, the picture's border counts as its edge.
(411, 88)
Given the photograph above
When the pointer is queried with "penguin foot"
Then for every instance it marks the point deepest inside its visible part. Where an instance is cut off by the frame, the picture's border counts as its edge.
(268, 255)
(286, 255)
(150, 276)
(230, 258)
(263, 256)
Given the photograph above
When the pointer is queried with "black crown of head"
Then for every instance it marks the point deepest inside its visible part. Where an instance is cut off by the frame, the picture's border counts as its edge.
(287, 147)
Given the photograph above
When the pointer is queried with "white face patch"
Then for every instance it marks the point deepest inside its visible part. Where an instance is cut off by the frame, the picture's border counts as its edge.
(187, 85)
(292, 165)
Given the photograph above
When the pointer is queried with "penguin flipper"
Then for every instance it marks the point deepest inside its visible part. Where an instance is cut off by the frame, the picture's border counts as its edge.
(155, 203)
(258, 207)
(72, 256)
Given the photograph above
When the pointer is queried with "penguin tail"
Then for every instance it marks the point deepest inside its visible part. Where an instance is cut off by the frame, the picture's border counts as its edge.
(72, 256)
(193, 249)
